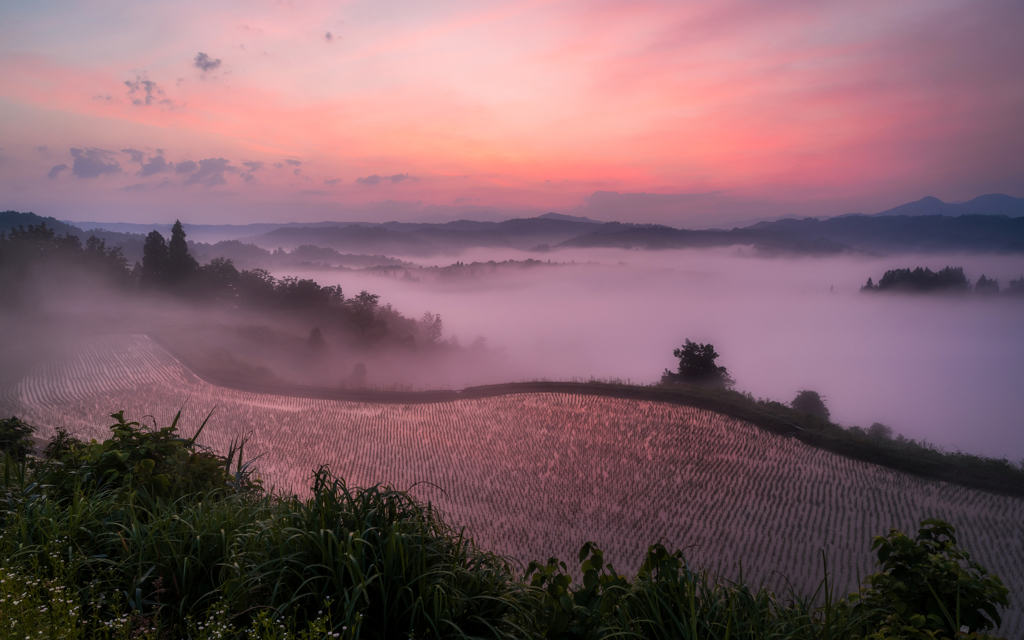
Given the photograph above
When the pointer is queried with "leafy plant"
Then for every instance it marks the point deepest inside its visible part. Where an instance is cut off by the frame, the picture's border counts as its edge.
(928, 587)
(588, 612)
(156, 460)
(15, 438)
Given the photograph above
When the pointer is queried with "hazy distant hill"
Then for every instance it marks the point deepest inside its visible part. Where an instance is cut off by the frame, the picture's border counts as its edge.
(13, 219)
(993, 204)
(812, 236)
(981, 233)
(426, 239)
(130, 243)
(989, 223)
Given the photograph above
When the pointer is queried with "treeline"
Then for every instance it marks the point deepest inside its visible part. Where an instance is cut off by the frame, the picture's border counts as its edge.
(946, 280)
(168, 268)
(38, 250)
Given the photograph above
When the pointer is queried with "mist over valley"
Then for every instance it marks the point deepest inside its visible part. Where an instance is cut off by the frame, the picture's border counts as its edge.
(511, 320)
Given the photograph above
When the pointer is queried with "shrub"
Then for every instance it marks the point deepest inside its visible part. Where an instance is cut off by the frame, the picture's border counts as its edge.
(697, 366)
(879, 431)
(811, 403)
(156, 460)
(927, 584)
(15, 438)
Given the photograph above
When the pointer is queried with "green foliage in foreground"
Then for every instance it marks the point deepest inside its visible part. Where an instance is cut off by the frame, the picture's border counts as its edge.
(94, 545)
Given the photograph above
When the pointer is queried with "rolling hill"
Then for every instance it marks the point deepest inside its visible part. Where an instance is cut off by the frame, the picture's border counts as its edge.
(533, 475)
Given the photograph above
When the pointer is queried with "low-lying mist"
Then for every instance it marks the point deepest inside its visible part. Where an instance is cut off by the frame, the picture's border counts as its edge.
(944, 369)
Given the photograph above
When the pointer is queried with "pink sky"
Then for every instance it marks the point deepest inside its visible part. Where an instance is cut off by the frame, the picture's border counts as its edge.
(445, 108)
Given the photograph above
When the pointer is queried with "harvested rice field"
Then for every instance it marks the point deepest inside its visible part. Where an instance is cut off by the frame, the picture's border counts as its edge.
(535, 475)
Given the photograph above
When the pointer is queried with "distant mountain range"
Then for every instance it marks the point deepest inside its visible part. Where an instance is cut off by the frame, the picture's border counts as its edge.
(990, 223)
(993, 204)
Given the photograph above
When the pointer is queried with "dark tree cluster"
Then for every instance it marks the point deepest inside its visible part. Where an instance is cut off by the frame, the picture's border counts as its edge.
(947, 280)
(167, 268)
(1016, 287)
(167, 265)
(39, 250)
(811, 403)
(697, 366)
(923, 280)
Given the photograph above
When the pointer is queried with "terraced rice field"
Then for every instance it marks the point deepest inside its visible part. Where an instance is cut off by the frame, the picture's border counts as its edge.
(535, 475)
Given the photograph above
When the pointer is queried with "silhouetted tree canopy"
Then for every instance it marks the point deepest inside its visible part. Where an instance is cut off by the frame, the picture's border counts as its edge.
(169, 269)
(1016, 287)
(697, 366)
(430, 327)
(811, 403)
(951, 279)
(38, 250)
(180, 265)
(986, 286)
(154, 261)
(879, 431)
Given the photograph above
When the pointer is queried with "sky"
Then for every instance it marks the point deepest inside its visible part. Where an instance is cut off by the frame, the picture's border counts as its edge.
(688, 113)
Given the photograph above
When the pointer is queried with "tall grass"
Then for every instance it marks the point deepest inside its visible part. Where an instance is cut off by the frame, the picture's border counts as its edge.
(387, 565)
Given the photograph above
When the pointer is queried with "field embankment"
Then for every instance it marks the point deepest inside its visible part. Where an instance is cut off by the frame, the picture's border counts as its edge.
(535, 474)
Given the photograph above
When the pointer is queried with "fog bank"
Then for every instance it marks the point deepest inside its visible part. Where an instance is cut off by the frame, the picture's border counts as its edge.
(944, 369)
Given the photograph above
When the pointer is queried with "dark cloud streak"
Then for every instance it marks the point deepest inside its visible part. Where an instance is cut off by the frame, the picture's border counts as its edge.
(203, 62)
(156, 164)
(137, 156)
(54, 172)
(153, 92)
(375, 179)
(186, 166)
(211, 172)
(93, 163)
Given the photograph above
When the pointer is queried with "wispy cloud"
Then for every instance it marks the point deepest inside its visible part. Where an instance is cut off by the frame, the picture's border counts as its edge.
(205, 63)
(211, 172)
(137, 156)
(185, 166)
(156, 164)
(145, 92)
(54, 172)
(93, 163)
(375, 179)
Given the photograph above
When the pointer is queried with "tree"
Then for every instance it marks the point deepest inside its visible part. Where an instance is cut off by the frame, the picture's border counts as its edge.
(316, 339)
(154, 260)
(218, 279)
(697, 366)
(180, 265)
(364, 311)
(811, 403)
(986, 286)
(430, 326)
(879, 431)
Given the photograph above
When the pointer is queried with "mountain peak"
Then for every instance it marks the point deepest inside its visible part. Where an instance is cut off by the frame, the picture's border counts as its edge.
(561, 216)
